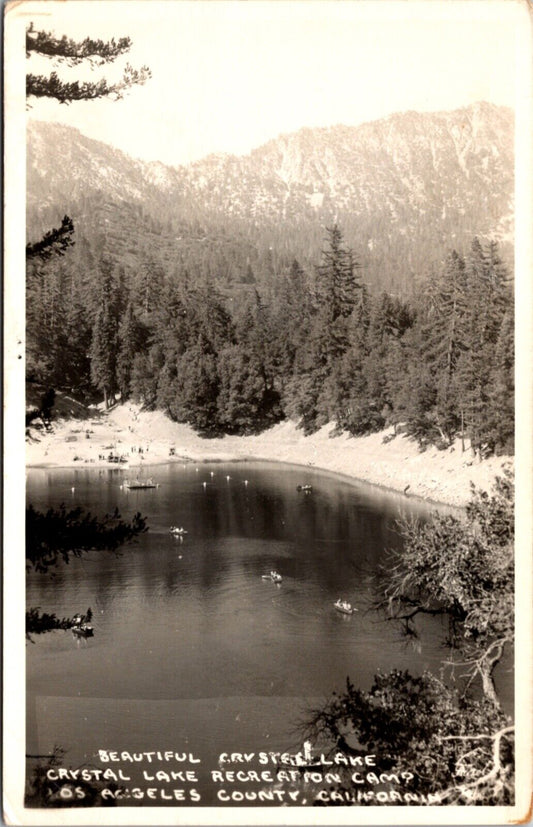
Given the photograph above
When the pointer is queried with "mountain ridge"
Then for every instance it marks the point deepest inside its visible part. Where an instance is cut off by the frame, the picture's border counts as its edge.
(405, 189)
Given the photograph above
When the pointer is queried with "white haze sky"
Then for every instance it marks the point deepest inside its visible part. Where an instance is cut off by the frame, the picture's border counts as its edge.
(229, 76)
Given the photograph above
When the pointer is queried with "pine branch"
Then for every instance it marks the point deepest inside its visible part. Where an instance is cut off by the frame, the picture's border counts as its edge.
(60, 534)
(44, 43)
(42, 86)
(54, 242)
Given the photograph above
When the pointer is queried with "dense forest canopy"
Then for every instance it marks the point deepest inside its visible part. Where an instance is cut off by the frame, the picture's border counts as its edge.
(321, 348)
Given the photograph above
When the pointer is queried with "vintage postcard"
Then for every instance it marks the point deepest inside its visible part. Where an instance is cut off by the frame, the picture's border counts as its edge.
(267, 323)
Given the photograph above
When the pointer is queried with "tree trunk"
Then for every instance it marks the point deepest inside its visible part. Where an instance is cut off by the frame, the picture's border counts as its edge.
(487, 665)
(489, 689)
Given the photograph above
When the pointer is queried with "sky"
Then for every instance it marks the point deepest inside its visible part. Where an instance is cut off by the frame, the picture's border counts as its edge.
(229, 76)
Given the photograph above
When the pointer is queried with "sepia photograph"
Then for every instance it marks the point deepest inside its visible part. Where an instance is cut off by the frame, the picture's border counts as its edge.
(265, 267)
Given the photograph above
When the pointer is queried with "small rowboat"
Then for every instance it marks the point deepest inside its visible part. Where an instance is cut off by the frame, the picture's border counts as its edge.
(178, 532)
(305, 488)
(344, 607)
(83, 630)
(273, 576)
(136, 484)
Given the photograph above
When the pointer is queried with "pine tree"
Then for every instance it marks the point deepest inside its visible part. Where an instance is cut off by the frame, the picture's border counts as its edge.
(197, 388)
(351, 403)
(129, 342)
(242, 396)
(148, 284)
(54, 243)
(499, 429)
(390, 319)
(338, 293)
(415, 396)
(338, 282)
(104, 340)
(488, 299)
(208, 318)
(145, 371)
(446, 334)
(72, 53)
(290, 320)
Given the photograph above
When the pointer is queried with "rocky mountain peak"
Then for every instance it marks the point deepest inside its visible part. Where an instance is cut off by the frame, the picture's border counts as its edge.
(405, 188)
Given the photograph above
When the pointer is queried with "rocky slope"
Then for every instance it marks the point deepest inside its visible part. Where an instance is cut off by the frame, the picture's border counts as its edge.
(405, 190)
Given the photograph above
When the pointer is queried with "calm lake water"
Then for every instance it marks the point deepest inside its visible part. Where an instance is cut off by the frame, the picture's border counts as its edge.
(192, 649)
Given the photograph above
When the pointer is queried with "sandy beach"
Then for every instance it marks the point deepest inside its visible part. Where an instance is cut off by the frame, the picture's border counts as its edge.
(148, 438)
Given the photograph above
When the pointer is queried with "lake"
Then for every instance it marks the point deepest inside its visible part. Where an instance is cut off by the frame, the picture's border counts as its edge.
(193, 651)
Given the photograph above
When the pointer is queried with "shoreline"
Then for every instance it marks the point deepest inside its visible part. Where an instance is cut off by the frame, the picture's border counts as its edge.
(350, 480)
(148, 438)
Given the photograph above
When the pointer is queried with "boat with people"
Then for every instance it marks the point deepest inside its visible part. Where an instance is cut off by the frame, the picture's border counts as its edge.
(83, 630)
(344, 606)
(178, 531)
(135, 484)
(274, 576)
(305, 488)
(81, 624)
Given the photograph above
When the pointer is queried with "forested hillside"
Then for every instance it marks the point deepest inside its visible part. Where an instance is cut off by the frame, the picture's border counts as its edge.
(406, 190)
(183, 288)
(321, 348)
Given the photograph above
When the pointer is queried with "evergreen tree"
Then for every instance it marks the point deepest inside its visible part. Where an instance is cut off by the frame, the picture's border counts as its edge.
(290, 321)
(383, 326)
(351, 403)
(104, 340)
(72, 53)
(488, 300)
(76, 370)
(499, 430)
(243, 396)
(54, 243)
(148, 284)
(129, 342)
(253, 331)
(197, 387)
(338, 282)
(208, 318)
(300, 400)
(145, 371)
(443, 338)
(360, 322)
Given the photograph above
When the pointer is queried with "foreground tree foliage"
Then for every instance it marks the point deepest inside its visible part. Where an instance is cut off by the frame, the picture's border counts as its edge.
(72, 53)
(453, 750)
(54, 242)
(41, 791)
(459, 744)
(60, 315)
(60, 534)
(38, 622)
(463, 569)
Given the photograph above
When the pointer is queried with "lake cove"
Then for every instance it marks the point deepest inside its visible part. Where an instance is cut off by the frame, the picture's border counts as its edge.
(198, 664)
